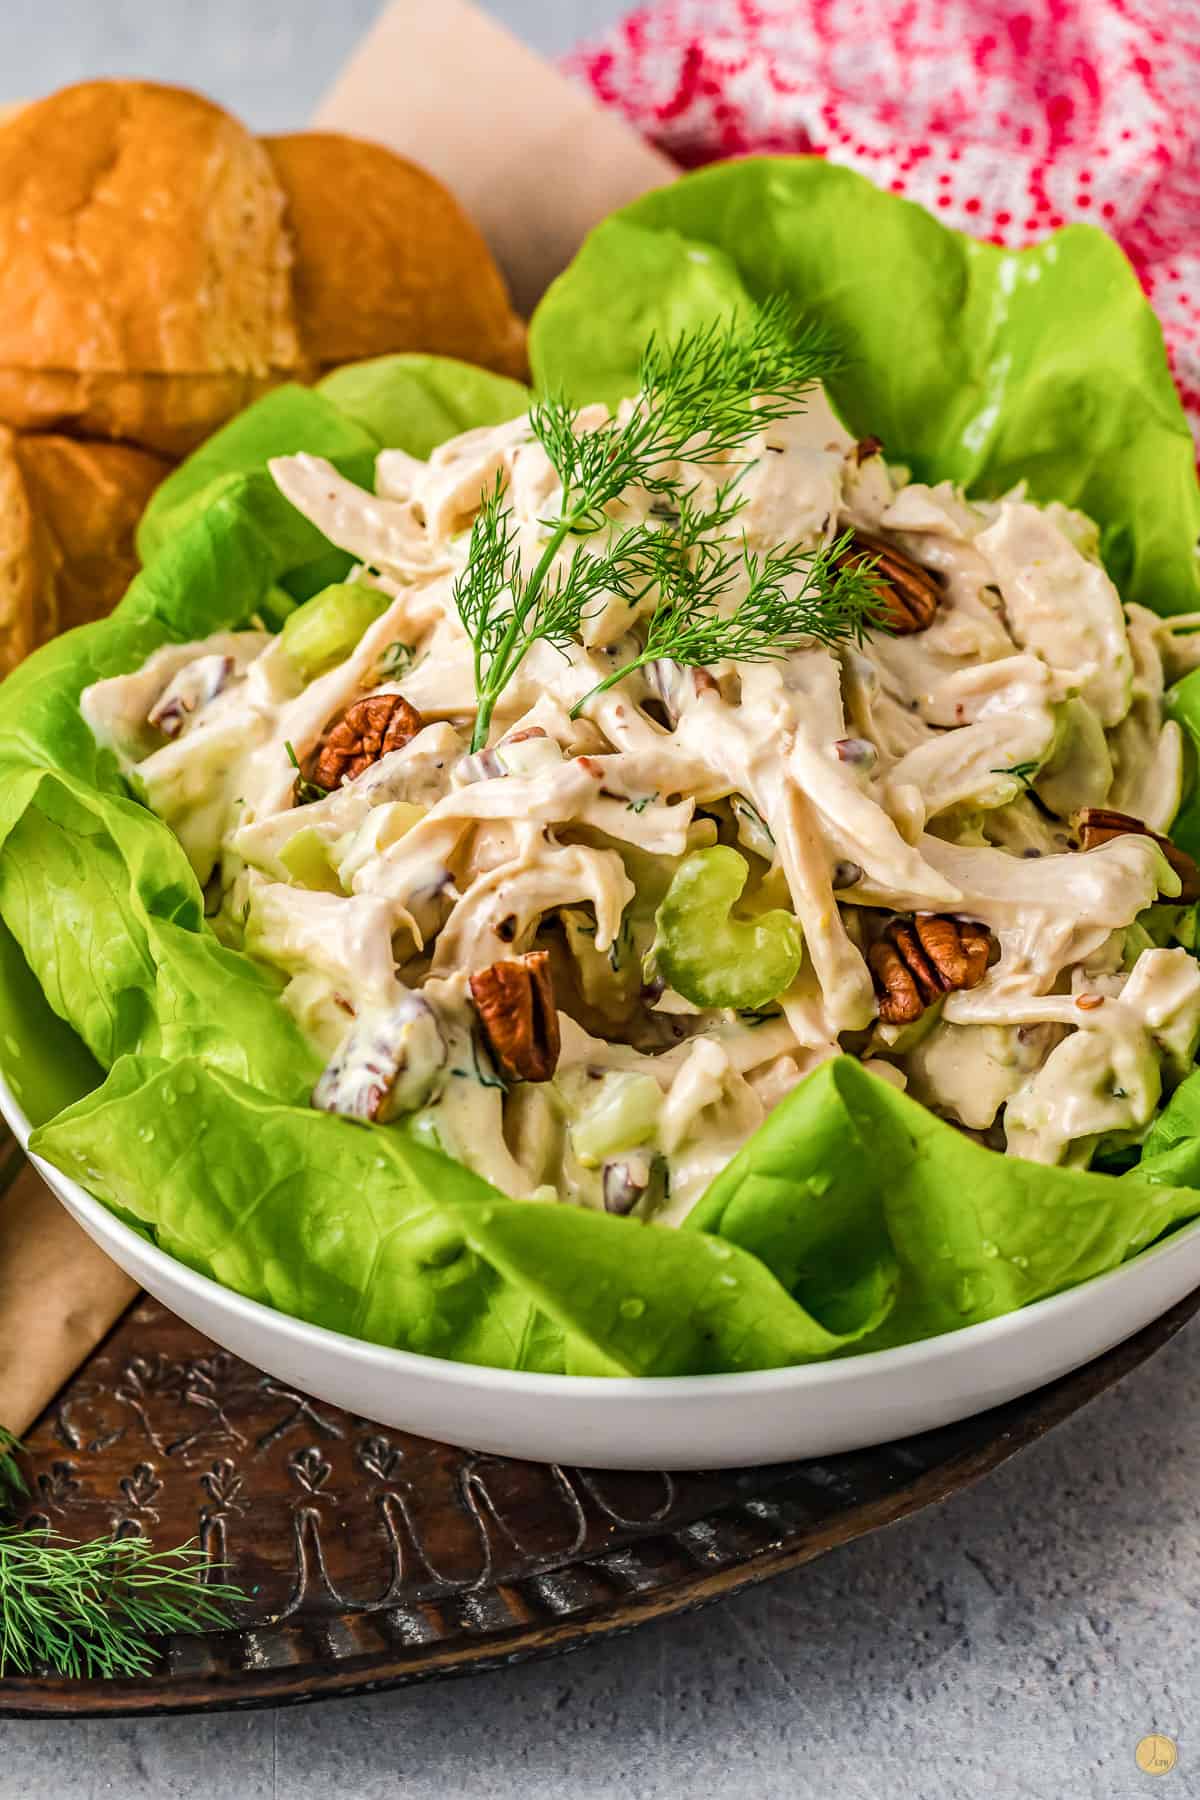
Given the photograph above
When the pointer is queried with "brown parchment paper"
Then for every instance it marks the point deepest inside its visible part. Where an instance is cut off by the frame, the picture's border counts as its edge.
(59, 1294)
(537, 163)
(535, 160)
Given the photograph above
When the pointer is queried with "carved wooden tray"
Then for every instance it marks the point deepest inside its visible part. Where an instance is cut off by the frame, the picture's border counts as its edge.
(375, 1559)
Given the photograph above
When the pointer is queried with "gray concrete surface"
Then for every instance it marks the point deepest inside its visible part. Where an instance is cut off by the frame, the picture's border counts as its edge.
(1016, 1643)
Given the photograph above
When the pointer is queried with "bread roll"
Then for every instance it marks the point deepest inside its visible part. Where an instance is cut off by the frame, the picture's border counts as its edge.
(18, 559)
(68, 512)
(160, 267)
(385, 259)
(145, 279)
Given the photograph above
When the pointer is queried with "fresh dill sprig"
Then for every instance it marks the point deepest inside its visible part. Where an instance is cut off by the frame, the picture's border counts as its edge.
(396, 661)
(94, 1610)
(702, 397)
(1026, 773)
(505, 610)
(792, 595)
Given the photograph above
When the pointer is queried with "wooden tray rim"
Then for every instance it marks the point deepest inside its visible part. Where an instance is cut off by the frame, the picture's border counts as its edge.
(533, 1638)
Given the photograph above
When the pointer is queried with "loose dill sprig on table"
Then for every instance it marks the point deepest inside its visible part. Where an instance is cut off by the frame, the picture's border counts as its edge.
(702, 397)
(87, 1610)
(83, 1610)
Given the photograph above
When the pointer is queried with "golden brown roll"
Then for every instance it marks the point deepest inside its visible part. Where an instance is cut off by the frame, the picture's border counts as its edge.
(160, 267)
(68, 512)
(145, 272)
(385, 259)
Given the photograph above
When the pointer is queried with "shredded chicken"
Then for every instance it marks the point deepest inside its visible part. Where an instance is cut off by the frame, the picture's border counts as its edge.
(936, 772)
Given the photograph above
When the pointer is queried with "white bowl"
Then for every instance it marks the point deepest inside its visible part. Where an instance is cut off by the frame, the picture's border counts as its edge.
(670, 1422)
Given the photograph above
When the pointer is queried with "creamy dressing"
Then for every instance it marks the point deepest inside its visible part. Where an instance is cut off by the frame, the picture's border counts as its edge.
(935, 772)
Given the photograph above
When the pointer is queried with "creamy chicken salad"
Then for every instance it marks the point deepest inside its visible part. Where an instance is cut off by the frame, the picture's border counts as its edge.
(587, 956)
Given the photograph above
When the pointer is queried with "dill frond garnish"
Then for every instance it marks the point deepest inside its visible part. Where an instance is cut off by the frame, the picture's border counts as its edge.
(702, 397)
(792, 595)
(396, 661)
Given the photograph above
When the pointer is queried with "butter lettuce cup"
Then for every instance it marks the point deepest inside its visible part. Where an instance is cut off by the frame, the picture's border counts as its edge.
(535, 955)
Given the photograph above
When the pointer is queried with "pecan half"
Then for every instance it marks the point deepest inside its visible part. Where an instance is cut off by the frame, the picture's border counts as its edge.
(515, 1002)
(367, 730)
(910, 594)
(915, 964)
(1100, 824)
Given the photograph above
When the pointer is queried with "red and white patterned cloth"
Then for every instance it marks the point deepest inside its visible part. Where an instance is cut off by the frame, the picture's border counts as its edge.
(1004, 119)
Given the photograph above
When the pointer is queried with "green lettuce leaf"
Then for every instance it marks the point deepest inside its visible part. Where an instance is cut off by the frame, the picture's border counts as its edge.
(1174, 1135)
(287, 420)
(46, 1063)
(1183, 704)
(418, 402)
(850, 1183)
(124, 954)
(844, 1225)
(413, 402)
(358, 1228)
(969, 361)
(853, 1219)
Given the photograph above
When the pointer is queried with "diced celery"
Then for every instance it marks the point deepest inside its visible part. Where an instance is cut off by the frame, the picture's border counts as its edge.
(423, 1128)
(1160, 926)
(327, 627)
(306, 859)
(623, 1113)
(384, 825)
(1078, 771)
(276, 608)
(1137, 939)
(903, 1039)
(710, 957)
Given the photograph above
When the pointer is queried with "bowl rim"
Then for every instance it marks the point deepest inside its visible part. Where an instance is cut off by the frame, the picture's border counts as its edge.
(834, 1373)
